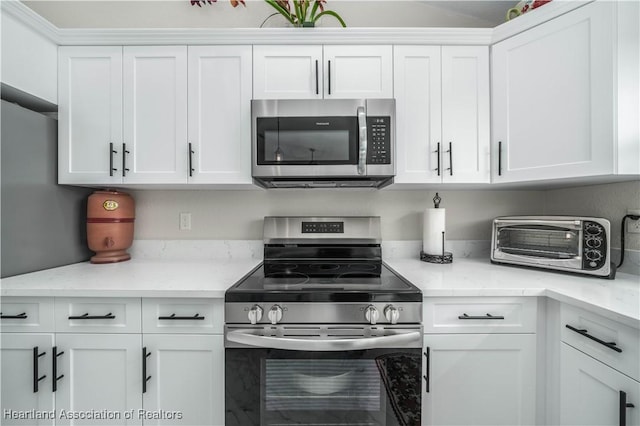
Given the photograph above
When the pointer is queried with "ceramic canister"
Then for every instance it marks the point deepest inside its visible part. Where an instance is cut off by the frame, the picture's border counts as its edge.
(110, 216)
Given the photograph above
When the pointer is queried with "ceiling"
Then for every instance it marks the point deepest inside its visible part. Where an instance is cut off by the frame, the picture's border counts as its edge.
(180, 14)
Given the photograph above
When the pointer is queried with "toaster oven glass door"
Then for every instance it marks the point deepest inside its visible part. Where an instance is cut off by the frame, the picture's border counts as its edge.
(540, 241)
(307, 141)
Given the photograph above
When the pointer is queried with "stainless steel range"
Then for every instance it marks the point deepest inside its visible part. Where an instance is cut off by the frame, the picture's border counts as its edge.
(323, 332)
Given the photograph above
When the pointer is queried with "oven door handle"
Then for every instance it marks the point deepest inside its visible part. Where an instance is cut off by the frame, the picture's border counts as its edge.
(246, 337)
(362, 141)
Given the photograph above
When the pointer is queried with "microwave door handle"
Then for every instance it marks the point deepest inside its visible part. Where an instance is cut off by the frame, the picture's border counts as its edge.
(362, 141)
(246, 337)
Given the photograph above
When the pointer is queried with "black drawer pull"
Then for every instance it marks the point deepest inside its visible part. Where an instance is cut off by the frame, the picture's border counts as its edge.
(36, 375)
(427, 376)
(56, 354)
(174, 317)
(481, 317)
(582, 331)
(86, 316)
(622, 417)
(145, 378)
(19, 316)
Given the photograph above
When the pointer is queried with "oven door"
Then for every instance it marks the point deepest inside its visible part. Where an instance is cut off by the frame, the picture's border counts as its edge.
(373, 386)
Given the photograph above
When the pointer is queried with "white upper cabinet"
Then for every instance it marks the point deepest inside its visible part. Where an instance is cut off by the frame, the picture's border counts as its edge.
(90, 115)
(219, 114)
(155, 114)
(442, 109)
(553, 98)
(315, 72)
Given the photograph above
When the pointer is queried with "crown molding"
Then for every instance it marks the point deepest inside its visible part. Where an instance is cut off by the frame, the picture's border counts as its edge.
(31, 19)
(199, 36)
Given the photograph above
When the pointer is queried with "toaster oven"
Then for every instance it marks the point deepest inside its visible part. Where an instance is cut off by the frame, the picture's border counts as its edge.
(571, 244)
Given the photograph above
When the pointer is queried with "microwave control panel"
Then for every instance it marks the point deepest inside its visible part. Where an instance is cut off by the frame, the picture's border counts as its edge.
(379, 140)
(594, 246)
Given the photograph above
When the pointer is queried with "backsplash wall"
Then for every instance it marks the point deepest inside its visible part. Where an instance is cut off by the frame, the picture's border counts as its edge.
(237, 215)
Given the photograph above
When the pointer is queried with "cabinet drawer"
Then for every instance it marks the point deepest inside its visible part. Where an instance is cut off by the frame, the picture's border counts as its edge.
(596, 335)
(183, 316)
(97, 315)
(27, 314)
(480, 315)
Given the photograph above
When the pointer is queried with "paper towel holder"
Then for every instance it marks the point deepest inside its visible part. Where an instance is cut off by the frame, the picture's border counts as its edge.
(445, 257)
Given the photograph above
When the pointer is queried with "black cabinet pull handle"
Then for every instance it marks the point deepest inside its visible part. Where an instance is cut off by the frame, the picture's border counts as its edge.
(329, 71)
(427, 374)
(36, 374)
(499, 158)
(622, 417)
(56, 354)
(317, 84)
(191, 169)
(582, 331)
(145, 378)
(481, 317)
(437, 151)
(174, 317)
(124, 159)
(450, 151)
(111, 152)
(86, 316)
(19, 316)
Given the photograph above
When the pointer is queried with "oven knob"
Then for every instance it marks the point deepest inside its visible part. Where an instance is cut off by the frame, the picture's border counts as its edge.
(371, 314)
(392, 314)
(275, 314)
(594, 242)
(593, 255)
(255, 314)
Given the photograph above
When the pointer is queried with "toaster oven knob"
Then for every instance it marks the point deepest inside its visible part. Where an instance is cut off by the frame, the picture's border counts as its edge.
(593, 255)
(594, 242)
(593, 228)
(371, 314)
(275, 314)
(255, 314)
(392, 314)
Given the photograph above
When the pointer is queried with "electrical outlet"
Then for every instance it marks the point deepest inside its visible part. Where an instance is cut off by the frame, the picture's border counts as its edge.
(633, 226)
(185, 221)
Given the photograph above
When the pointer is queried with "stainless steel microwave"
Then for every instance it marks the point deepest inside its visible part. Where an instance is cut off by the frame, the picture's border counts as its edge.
(323, 143)
(570, 244)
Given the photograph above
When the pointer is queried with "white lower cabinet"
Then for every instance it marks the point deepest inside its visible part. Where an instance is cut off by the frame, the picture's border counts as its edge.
(25, 358)
(98, 375)
(185, 379)
(593, 393)
(479, 379)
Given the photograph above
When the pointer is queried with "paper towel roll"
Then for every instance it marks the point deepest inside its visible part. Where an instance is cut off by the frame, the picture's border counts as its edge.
(432, 230)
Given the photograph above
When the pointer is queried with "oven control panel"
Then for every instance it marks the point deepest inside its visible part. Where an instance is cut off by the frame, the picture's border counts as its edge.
(379, 140)
(323, 227)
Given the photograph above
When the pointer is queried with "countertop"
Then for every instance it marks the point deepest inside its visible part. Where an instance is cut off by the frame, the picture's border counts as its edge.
(617, 299)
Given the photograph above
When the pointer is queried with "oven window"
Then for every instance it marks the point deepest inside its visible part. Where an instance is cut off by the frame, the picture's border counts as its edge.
(307, 141)
(271, 387)
(539, 241)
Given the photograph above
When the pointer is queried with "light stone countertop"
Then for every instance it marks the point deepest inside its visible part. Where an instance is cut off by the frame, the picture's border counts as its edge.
(617, 299)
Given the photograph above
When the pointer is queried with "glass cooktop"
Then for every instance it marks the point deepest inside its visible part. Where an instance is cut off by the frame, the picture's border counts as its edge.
(323, 282)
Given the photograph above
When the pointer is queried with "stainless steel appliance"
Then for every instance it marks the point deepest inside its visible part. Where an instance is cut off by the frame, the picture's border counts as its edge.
(323, 332)
(323, 143)
(564, 243)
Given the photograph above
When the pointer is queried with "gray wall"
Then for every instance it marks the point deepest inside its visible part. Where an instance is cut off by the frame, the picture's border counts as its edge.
(237, 215)
(42, 224)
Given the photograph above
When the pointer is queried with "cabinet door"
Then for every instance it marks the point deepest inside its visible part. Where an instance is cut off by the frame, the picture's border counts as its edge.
(287, 72)
(90, 115)
(465, 114)
(19, 394)
(418, 113)
(355, 72)
(553, 98)
(155, 114)
(220, 114)
(102, 374)
(480, 379)
(590, 392)
(186, 377)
